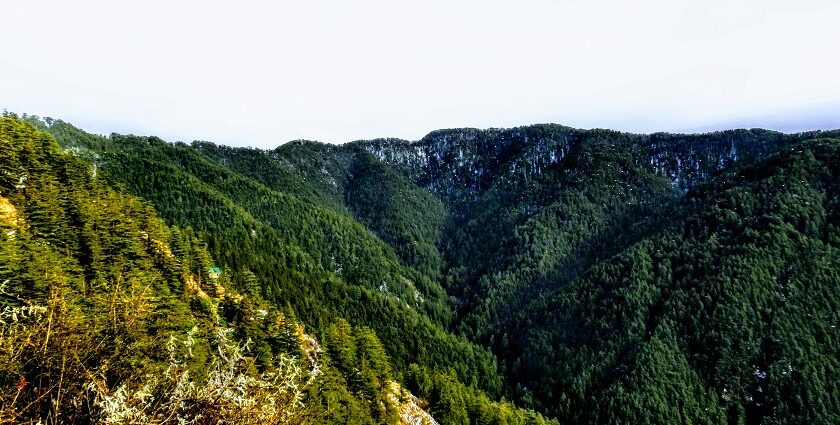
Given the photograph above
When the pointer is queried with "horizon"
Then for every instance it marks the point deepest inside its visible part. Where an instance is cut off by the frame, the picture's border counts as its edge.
(262, 75)
(25, 115)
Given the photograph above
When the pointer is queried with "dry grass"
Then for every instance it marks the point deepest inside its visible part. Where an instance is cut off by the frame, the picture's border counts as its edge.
(9, 216)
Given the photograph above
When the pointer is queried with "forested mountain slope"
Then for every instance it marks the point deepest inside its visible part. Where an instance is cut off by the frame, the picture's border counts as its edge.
(108, 316)
(596, 276)
(538, 221)
(726, 312)
(324, 269)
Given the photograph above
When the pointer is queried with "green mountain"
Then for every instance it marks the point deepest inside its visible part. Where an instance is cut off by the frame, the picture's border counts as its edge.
(109, 315)
(590, 275)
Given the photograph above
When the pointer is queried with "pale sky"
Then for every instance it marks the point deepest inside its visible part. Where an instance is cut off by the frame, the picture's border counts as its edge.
(249, 73)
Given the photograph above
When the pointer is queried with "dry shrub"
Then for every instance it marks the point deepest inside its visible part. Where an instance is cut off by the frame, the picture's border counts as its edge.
(230, 393)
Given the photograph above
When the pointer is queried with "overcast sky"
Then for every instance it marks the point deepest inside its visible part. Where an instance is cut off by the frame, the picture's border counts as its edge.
(261, 73)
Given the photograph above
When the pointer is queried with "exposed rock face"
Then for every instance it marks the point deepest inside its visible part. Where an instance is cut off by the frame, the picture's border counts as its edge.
(465, 162)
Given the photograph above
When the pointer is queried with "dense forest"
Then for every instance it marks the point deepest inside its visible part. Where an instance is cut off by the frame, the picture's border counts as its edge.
(109, 315)
(530, 275)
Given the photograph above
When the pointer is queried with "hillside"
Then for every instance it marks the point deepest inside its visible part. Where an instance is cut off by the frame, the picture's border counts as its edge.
(566, 246)
(591, 275)
(727, 312)
(109, 315)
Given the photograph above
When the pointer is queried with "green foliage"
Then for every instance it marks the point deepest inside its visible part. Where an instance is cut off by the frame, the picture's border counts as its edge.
(318, 260)
(452, 402)
(707, 319)
(313, 259)
(615, 278)
(94, 263)
(398, 211)
(108, 315)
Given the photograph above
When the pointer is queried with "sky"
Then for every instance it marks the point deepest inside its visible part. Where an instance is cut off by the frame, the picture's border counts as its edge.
(249, 73)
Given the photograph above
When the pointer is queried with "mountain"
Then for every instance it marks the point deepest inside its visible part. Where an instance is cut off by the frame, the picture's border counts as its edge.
(109, 315)
(591, 275)
(594, 262)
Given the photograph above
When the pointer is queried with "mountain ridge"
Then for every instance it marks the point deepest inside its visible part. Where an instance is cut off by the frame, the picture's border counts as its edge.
(544, 264)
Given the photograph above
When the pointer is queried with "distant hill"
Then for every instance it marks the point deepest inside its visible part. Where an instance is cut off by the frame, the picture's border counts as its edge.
(591, 275)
